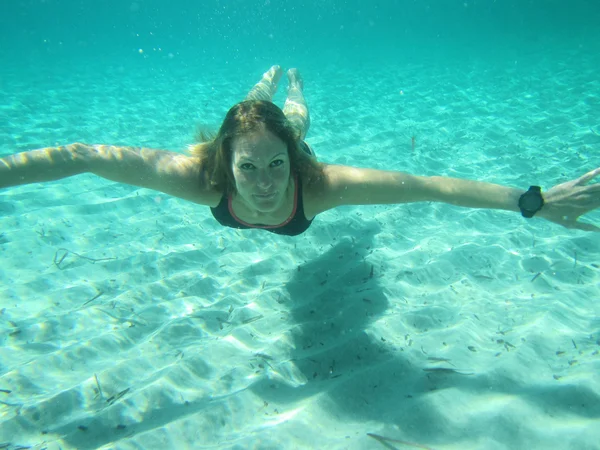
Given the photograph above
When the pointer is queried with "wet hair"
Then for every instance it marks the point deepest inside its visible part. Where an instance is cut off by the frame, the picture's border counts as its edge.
(215, 153)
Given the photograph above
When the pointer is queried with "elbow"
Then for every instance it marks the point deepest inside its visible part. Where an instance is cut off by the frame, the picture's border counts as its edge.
(442, 189)
(79, 156)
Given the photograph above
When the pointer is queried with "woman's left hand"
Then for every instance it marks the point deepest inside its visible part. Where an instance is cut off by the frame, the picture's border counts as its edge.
(566, 202)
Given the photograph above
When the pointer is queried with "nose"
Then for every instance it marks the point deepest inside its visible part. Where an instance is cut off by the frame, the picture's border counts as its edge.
(263, 179)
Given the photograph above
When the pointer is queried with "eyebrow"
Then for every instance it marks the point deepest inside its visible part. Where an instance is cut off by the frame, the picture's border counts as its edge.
(246, 158)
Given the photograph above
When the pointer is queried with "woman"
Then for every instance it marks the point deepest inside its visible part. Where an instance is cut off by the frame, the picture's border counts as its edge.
(259, 173)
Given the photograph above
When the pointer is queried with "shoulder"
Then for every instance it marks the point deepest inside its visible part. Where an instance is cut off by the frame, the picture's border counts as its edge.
(346, 185)
(331, 177)
(318, 191)
(208, 193)
(182, 176)
(186, 177)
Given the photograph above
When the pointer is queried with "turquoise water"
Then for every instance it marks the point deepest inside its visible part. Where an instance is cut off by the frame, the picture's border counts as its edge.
(129, 319)
(47, 45)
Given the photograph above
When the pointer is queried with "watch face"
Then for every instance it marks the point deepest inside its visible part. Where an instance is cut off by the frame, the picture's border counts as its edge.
(531, 201)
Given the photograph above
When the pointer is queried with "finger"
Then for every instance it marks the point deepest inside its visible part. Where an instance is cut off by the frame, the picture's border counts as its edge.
(573, 224)
(584, 226)
(584, 179)
(593, 187)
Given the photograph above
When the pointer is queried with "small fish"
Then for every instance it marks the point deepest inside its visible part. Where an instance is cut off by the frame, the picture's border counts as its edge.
(252, 319)
(436, 359)
(446, 371)
(385, 441)
(92, 299)
(98, 384)
(114, 398)
(483, 277)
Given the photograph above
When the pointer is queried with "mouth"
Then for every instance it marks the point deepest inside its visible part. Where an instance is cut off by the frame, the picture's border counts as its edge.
(265, 196)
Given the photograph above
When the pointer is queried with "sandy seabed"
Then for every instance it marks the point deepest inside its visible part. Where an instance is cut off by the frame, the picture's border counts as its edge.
(129, 319)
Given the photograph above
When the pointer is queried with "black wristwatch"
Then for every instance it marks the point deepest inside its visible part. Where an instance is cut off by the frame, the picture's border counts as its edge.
(531, 201)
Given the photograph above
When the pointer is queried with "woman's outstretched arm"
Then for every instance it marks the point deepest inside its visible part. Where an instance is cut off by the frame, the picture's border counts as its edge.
(564, 203)
(169, 172)
(46, 164)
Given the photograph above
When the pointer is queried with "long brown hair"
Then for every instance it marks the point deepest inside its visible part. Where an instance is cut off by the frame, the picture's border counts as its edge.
(248, 116)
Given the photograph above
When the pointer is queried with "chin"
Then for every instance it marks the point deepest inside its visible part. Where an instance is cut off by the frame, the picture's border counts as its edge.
(269, 205)
(266, 208)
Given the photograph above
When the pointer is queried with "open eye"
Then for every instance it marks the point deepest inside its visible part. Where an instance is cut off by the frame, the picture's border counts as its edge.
(250, 166)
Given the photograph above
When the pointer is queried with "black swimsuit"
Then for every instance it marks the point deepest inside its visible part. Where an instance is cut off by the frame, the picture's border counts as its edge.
(293, 226)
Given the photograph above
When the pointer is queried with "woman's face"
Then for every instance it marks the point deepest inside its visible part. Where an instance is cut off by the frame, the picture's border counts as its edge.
(261, 168)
